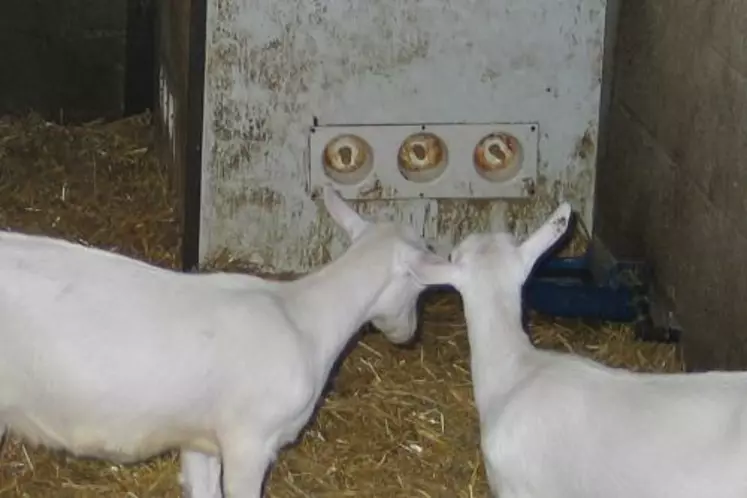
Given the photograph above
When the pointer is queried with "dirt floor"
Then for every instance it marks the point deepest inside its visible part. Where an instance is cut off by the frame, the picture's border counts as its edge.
(399, 422)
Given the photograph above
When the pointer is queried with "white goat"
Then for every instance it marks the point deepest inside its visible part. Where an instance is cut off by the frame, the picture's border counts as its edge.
(108, 357)
(558, 425)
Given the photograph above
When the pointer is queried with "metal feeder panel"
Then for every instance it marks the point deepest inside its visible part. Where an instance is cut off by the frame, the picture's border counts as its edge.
(449, 115)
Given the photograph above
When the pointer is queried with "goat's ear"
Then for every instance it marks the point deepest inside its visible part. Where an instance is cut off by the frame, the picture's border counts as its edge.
(344, 215)
(431, 269)
(545, 236)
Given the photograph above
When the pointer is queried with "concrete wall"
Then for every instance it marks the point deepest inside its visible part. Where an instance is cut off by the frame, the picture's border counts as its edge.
(673, 184)
(275, 68)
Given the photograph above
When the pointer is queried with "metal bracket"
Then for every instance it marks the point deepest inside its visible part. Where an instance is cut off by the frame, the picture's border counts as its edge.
(379, 176)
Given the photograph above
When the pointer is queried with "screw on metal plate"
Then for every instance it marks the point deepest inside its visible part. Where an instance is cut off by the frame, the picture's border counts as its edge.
(316, 193)
(529, 186)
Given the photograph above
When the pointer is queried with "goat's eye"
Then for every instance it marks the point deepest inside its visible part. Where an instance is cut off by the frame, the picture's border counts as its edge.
(430, 247)
(449, 258)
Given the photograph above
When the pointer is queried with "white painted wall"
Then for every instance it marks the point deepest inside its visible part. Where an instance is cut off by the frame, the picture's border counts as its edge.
(272, 66)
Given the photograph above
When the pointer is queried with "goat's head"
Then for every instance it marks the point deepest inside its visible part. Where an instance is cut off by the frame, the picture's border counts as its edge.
(494, 258)
(400, 248)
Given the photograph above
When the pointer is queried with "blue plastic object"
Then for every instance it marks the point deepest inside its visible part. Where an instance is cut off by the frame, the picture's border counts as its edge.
(569, 287)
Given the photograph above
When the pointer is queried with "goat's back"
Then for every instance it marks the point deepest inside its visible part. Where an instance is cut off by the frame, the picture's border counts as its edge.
(578, 429)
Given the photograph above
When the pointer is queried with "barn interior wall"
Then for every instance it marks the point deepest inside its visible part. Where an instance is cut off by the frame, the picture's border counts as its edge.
(671, 186)
(274, 69)
(64, 59)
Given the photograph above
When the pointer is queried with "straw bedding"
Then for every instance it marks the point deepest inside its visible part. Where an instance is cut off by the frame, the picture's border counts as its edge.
(398, 422)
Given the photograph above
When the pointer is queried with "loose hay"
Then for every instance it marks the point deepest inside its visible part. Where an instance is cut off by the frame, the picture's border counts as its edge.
(399, 422)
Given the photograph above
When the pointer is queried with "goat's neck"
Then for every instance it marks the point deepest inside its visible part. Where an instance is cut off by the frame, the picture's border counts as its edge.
(332, 304)
(499, 347)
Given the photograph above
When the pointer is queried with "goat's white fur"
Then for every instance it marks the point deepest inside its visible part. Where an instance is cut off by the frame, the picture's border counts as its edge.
(558, 425)
(108, 357)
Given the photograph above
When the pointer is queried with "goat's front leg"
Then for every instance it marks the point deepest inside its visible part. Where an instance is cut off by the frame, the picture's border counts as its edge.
(245, 463)
(200, 475)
